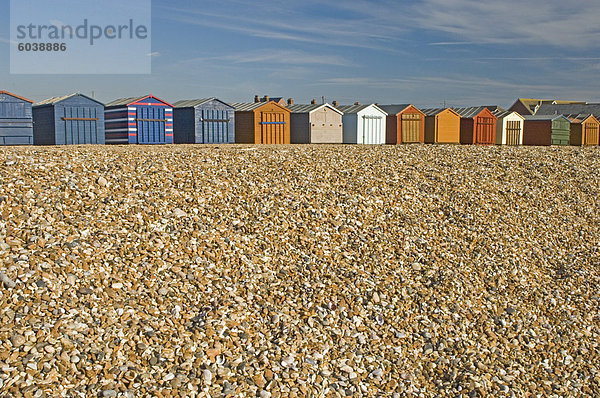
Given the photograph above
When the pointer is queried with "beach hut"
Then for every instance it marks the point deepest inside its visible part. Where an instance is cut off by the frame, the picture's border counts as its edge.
(315, 124)
(74, 119)
(139, 120)
(405, 124)
(203, 121)
(546, 130)
(442, 126)
(16, 120)
(477, 125)
(261, 123)
(509, 127)
(584, 130)
(363, 124)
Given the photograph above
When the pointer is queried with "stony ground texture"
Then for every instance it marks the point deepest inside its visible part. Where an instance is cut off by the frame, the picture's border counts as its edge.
(299, 271)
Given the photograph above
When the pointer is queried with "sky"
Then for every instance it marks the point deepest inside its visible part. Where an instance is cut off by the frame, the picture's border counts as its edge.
(428, 53)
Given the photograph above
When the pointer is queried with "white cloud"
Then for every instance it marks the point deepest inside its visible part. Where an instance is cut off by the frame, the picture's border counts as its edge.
(291, 57)
(153, 54)
(290, 22)
(543, 22)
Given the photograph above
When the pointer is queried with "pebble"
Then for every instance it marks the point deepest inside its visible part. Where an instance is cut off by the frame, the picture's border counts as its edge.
(228, 388)
(102, 181)
(415, 270)
(17, 340)
(207, 376)
(6, 281)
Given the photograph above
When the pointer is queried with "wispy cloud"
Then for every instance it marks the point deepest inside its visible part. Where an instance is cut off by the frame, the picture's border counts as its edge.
(545, 22)
(293, 23)
(153, 54)
(285, 57)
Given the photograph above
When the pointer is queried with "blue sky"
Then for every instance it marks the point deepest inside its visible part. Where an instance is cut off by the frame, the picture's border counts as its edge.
(461, 52)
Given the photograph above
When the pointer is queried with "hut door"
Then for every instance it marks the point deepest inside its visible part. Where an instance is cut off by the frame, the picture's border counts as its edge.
(151, 123)
(513, 132)
(411, 127)
(80, 125)
(272, 128)
(485, 130)
(215, 126)
(591, 133)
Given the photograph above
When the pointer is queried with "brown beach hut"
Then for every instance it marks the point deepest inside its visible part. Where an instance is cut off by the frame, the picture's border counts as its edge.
(442, 126)
(584, 130)
(477, 125)
(404, 124)
(261, 123)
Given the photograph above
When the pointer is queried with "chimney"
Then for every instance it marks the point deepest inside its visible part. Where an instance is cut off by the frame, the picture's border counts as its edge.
(256, 98)
(266, 98)
(357, 103)
(313, 102)
(335, 103)
(290, 101)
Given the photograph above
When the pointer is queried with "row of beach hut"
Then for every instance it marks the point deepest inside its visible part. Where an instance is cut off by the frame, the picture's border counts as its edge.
(78, 119)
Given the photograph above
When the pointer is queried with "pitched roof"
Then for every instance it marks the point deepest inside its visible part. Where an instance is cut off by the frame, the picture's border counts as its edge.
(191, 103)
(125, 101)
(394, 109)
(435, 111)
(251, 106)
(56, 100)
(533, 103)
(196, 102)
(308, 108)
(357, 108)
(16, 96)
(131, 100)
(501, 113)
(569, 109)
(544, 117)
(470, 112)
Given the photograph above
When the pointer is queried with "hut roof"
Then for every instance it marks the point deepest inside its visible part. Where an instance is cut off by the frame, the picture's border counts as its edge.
(309, 108)
(131, 100)
(16, 96)
(196, 102)
(56, 100)
(544, 117)
(569, 109)
(435, 111)
(394, 109)
(358, 108)
(251, 106)
(471, 111)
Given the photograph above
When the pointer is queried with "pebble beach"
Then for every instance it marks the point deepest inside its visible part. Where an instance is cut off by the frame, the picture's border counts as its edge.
(300, 271)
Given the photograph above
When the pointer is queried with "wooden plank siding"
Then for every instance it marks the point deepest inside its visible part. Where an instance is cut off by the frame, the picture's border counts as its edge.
(262, 123)
(509, 127)
(546, 130)
(145, 120)
(204, 121)
(405, 124)
(584, 131)
(442, 126)
(70, 120)
(315, 124)
(16, 120)
(477, 126)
